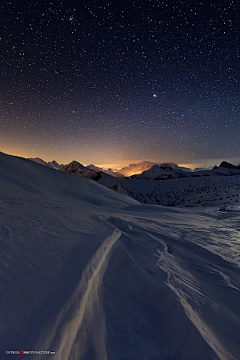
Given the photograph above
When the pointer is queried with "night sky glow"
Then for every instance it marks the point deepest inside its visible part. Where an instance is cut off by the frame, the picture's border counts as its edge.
(112, 82)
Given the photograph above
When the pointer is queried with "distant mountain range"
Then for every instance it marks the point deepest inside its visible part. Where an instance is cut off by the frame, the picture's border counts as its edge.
(132, 169)
(75, 166)
(145, 170)
(165, 184)
(169, 185)
(172, 171)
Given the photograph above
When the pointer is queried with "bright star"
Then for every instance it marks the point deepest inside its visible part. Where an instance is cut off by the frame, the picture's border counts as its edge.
(154, 95)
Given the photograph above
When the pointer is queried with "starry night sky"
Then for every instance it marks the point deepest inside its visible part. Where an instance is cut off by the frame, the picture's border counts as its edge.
(112, 82)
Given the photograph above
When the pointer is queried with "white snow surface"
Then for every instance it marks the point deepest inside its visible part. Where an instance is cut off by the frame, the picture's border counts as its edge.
(186, 191)
(94, 275)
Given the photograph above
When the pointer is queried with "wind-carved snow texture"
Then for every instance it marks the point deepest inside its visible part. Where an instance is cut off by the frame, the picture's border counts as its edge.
(81, 323)
(186, 276)
(156, 295)
(199, 278)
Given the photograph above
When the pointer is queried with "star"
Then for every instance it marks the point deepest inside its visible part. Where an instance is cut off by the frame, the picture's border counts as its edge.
(91, 71)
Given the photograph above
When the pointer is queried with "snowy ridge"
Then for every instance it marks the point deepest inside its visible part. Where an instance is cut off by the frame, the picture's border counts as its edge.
(77, 169)
(52, 164)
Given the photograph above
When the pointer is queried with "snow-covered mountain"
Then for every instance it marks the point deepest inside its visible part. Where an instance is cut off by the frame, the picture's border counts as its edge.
(175, 167)
(228, 166)
(224, 168)
(89, 274)
(77, 169)
(39, 161)
(161, 172)
(170, 186)
(106, 171)
(220, 185)
(171, 171)
(203, 168)
(146, 165)
(73, 167)
(52, 164)
(137, 168)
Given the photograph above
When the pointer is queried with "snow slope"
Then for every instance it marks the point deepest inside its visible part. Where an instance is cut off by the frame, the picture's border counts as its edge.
(191, 191)
(92, 274)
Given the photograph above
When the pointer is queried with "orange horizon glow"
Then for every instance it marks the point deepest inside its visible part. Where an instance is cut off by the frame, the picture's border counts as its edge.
(112, 165)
